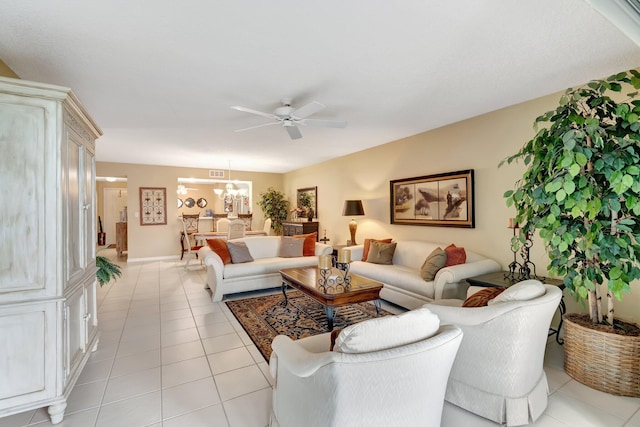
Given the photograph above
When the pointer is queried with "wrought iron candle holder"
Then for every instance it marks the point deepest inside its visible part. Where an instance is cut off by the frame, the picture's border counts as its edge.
(330, 283)
(520, 271)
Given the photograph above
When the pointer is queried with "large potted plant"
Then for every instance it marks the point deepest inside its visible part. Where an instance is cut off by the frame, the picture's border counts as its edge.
(107, 270)
(581, 191)
(274, 206)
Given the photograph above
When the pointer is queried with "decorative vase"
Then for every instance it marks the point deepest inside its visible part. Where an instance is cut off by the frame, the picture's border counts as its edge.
(601, 360)
(309, 214)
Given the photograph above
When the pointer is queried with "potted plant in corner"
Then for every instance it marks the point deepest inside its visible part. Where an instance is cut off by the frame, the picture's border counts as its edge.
(581, 190)
(274, 206)
(107, 270)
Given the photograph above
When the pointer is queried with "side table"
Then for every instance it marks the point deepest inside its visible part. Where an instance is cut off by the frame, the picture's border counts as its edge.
(499, 278)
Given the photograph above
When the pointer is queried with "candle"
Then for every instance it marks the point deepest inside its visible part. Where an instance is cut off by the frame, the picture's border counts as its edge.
(344, 256)
(324, 262)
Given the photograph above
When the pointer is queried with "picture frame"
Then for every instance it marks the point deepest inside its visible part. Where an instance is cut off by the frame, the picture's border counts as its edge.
(153, 205)
(313, 193)
(440, 200)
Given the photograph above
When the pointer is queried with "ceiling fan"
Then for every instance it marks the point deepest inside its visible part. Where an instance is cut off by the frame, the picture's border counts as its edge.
(290, 117)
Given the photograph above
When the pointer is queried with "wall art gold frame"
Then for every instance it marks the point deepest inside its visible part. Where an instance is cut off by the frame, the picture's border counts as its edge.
(441, 200)
(153, 205)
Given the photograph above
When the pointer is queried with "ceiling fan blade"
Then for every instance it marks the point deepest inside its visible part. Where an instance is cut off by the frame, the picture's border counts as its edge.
(259, 113)
(307, 110)
(324, 123)
(294, 132)
(257, 126)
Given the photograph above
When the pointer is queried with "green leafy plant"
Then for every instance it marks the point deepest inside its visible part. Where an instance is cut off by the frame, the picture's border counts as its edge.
(581, 189)
(274, 206)
(107, 270)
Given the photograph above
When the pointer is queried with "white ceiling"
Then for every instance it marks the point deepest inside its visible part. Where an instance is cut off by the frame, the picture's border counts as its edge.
(160, 76)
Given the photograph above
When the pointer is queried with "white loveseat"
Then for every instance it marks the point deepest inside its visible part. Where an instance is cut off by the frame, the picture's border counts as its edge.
(403, 284)
(261, 273)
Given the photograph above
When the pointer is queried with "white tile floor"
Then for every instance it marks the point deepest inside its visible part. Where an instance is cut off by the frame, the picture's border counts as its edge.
(169, 357)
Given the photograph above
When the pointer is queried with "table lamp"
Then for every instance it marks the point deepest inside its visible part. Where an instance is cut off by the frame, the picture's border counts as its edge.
(353, 208)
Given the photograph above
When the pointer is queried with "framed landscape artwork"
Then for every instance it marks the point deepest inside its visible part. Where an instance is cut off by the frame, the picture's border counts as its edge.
(153, 206)
(313, 194)
(442, 200)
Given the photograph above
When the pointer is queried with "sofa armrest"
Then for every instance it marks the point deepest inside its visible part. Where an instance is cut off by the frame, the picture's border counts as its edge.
(456, 273)
(215, 270)
(356, 252)
(323, 249)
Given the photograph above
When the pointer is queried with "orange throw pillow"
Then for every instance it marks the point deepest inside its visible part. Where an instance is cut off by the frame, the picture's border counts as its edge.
(309, 248)
(482, 298)
(367, 245)
(455, 255)
(219, 246)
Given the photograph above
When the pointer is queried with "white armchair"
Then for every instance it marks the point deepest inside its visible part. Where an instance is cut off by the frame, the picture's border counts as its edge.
(498, 372)
(401, 385)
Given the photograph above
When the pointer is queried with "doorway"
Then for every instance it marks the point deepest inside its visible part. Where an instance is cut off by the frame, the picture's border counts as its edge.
(115, 204)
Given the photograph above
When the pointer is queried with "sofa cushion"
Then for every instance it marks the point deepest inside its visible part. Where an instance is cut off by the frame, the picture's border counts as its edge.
(367, 246)
(219, 246)
(387, 332)
(434, 262)
(381, 253)
(394, 275)
(482, 297)
(291, 247)
(309, 248)
(522, 291)
(455, 255)
(239, 252)
(264, 266)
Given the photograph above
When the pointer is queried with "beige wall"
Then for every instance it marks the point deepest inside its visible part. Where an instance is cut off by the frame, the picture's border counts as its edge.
(479, 143)
(162, 241)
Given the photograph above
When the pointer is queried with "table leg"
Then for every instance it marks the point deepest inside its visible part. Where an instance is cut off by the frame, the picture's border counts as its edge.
(284, 292)
(377, 304)
(331, 315)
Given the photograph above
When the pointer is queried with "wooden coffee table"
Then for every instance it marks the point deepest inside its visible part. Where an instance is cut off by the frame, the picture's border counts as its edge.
(306, 280)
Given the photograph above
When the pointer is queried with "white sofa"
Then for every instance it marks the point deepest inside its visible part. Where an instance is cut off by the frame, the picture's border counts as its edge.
(403, 284)
(262, 273)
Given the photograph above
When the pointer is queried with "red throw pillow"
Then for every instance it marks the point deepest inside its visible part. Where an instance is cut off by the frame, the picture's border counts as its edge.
(367, 245)
(455, 255)
(482, 298)
(219, 246)
(309, 248)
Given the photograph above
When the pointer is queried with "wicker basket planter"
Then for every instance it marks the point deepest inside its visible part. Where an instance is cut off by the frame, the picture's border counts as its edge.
(604, 361)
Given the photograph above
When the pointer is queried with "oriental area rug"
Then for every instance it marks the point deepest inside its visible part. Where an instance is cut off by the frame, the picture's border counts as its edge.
(265, 317)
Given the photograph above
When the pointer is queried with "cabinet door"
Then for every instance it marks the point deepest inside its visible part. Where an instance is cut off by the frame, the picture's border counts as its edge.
(91, 311)
(89, 207)
(28, 356)
(75, 342)
(74, 209)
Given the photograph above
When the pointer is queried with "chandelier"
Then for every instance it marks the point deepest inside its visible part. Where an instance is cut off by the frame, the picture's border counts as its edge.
(230, 191)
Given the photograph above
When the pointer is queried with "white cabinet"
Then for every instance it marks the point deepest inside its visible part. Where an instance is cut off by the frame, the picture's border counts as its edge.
(48, 323)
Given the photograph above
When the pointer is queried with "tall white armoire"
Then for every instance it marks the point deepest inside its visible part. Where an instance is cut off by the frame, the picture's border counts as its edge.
(48, 324)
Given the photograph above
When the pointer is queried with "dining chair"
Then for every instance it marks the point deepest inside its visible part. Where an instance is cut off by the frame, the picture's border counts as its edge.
(191, 248)
(190, 228)
(236, 229)
(267, 226)
(222, 225)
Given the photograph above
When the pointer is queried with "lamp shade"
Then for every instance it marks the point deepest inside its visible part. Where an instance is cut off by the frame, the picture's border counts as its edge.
(352, 208)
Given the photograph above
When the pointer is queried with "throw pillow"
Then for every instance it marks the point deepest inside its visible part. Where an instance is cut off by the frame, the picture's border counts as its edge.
(434, 262)
(522, 291)
(367, 245)
(381, 253)
(239, 252)
(219, 246)
(482, 298)
(309, 248)
(290, 247)
(387, 332)
(455, 255)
